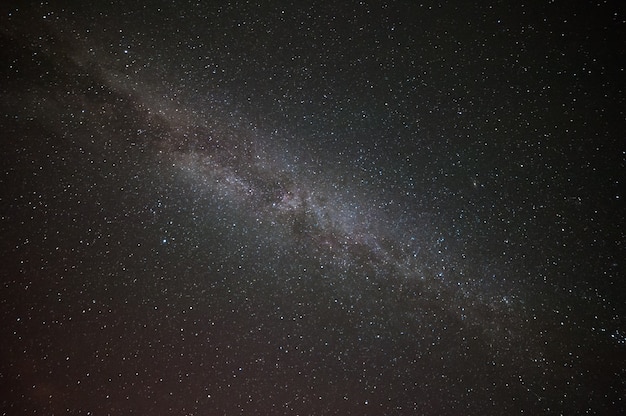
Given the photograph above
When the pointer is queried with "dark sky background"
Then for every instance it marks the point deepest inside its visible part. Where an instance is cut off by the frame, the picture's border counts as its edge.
(313, 208)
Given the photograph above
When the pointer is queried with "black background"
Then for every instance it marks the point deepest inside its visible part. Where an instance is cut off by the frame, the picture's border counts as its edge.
(312, 208)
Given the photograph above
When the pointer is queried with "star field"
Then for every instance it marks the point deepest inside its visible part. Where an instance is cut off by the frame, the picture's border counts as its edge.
(327, 208)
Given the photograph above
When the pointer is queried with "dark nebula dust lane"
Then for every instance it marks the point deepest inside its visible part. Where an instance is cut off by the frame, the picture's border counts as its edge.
(360, 208)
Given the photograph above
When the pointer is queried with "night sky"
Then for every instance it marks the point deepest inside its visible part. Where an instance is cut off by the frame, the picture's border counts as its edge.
(312, 208)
